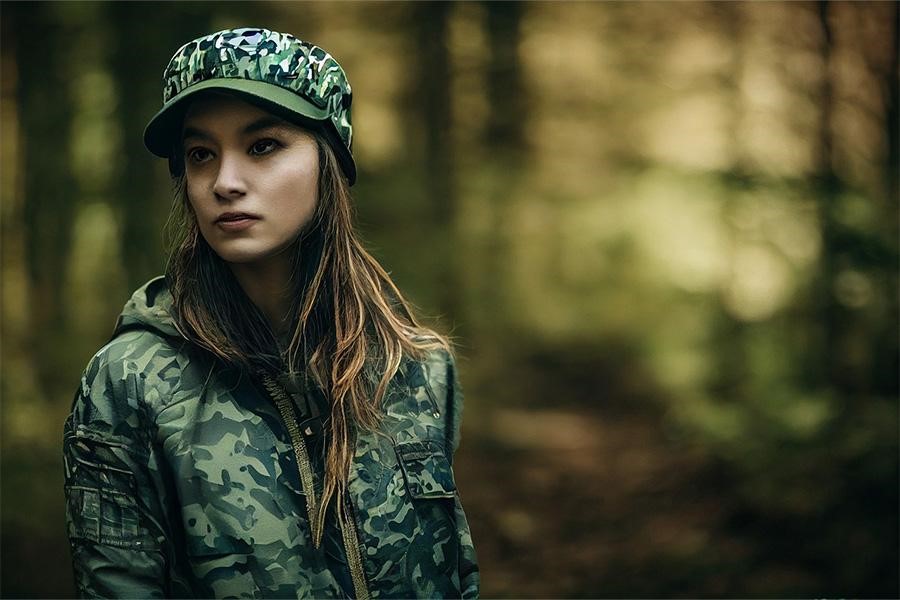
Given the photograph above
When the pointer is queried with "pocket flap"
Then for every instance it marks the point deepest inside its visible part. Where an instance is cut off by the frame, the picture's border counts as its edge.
(426, 469)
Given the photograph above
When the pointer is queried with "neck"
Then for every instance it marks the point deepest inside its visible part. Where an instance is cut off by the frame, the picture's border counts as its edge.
(267, 284)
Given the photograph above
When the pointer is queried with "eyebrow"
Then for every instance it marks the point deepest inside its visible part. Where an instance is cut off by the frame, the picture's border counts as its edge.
(260, 124)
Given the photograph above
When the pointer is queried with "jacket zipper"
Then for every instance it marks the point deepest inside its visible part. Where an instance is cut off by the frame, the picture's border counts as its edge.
(286, 409)
(348, 530)
(354, 558)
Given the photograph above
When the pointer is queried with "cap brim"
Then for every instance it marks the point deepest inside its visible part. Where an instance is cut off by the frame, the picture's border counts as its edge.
(164, 129)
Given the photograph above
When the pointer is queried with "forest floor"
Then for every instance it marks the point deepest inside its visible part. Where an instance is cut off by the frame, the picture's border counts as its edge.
(575, 503)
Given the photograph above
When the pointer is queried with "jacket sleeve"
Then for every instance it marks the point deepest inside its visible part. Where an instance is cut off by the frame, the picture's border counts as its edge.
(113, 514)
(469, 577)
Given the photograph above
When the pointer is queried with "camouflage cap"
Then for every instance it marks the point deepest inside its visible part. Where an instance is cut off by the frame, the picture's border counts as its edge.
(276, 71)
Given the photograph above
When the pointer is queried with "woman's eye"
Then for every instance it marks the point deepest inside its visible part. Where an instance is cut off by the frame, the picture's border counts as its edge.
(198, 155)
(263, 147)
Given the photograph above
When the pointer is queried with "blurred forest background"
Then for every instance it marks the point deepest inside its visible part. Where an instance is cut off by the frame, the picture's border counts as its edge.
(664, 235)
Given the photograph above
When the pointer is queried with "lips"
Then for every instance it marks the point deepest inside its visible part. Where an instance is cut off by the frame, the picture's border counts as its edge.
(231, 217)
(236, 222)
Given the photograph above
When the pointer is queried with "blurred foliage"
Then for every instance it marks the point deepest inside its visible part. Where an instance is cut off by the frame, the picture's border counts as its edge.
(665, 237)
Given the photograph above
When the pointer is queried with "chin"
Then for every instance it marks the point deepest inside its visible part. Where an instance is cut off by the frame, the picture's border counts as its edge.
(237, 258)
(244, 252)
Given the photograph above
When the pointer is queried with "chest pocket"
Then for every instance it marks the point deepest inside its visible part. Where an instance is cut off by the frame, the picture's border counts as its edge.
(426, 470)
(431, 559)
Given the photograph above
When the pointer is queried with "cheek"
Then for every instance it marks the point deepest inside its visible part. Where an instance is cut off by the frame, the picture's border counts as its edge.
(191, 192)
(310, 196)
(195, 203)
(309, 200)
(297, 194)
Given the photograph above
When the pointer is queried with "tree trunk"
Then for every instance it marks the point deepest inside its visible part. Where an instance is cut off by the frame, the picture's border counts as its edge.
(732, 369)
(505, 137)
(431, 33)
(504, 149)
(830, 315)
(137, 63)
(50, 189)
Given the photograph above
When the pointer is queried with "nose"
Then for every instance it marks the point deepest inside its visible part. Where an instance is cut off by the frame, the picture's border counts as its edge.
(229, 183)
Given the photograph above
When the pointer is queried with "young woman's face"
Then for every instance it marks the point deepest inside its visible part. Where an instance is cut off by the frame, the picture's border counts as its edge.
(251, 177)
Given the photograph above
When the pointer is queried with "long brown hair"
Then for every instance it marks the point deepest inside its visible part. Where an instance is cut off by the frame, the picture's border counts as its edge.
(351, 325)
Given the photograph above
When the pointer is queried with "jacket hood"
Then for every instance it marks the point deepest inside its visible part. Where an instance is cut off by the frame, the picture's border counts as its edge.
(149, 308)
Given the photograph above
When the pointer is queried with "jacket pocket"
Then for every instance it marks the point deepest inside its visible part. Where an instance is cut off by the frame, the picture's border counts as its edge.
(104, 516)
(102, 494)
(430, 562)
(426, 470)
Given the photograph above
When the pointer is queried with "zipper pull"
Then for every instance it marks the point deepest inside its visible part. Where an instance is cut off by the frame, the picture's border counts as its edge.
(434, 406)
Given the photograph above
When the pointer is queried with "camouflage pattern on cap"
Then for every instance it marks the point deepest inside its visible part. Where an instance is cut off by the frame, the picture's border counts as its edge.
(258, 54)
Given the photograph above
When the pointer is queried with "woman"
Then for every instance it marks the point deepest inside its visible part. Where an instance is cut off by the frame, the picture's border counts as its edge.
(269, 419)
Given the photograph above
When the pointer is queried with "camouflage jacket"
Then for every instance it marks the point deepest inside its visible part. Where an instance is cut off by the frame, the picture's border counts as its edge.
(187, 478)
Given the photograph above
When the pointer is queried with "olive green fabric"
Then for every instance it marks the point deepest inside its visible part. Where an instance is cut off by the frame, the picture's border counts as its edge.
(180, 479)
